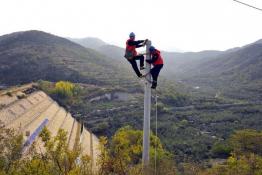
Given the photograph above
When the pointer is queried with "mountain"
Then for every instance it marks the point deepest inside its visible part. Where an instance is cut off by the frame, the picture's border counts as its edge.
(230, 72)
(33, 55)
(89, 42)
(239, 62)
(236, 72)
(258, 42)
(97, 44)
(112, 51)
(176, 63)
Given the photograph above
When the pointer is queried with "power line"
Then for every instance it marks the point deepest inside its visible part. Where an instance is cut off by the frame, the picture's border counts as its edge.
(248, 5)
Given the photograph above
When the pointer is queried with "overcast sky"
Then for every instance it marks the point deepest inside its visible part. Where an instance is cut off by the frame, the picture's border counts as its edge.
(189, 25)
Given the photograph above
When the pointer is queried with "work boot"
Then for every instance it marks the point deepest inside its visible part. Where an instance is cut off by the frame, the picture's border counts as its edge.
(140, 76)
(142, 68)
(154, 85)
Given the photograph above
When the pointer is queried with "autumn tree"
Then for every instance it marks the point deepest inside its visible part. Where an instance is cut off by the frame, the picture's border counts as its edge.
(123, 154)
(245, 158)
(11, 145)
(56, 158)
(64, 89)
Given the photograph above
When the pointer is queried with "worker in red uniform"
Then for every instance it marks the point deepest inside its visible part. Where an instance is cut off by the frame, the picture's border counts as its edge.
(157, 61)
(131, 53)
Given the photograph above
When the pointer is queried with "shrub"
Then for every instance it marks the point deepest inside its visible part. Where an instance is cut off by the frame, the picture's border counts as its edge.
(221, 150)
(123, 154)
(9, 94)
(64, 89)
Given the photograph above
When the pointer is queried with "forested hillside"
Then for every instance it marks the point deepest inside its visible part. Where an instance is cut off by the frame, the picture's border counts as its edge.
(235, 73)
(33, 55)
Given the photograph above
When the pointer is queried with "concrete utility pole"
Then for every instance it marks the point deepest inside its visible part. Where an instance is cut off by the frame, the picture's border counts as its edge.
(147, 110)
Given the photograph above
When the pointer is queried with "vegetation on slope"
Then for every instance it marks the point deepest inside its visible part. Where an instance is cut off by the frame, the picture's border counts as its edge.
(56, 159)
(191, 128)
(33, 55)
(234, 73)
(122, 155)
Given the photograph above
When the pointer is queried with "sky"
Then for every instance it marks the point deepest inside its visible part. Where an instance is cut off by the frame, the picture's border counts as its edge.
(185, 25)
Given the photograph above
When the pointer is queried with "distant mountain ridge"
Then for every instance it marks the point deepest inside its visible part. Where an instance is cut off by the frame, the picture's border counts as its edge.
(89, 42)
(236, 73)
(234, 70)
(99, 45)
(33, 55)
(114, 52)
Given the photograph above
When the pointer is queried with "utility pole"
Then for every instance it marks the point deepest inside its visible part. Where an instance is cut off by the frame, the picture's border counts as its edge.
(147, 110)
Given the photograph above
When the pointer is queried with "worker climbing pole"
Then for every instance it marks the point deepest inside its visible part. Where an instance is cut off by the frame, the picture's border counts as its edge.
(131, 53)
(153, 57)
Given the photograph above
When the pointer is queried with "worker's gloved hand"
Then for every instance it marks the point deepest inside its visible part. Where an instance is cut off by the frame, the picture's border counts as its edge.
(149, 61)
(145, 42)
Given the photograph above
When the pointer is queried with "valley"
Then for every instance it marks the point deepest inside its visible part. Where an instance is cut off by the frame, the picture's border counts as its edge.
(204, 97)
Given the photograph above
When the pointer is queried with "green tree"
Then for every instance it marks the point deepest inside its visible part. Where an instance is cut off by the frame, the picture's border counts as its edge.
(246, 141)
(11, 145)
(123, 154)
(249, 164)
(62, 159)
(246, 155)
(46, 86)
(56, 158)
(221, 150)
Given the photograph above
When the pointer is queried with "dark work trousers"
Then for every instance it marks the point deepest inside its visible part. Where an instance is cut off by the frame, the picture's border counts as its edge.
(134, 64)
(155, 71)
